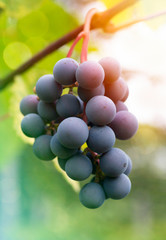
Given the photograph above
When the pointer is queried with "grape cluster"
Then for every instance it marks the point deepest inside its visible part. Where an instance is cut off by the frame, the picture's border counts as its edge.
(80, 129)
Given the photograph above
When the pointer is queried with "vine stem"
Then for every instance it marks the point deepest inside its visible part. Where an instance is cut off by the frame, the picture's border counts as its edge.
(99, 20)
(79, 36)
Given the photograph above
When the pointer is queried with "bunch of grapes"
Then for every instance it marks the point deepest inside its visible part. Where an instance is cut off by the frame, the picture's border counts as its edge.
(80, 128)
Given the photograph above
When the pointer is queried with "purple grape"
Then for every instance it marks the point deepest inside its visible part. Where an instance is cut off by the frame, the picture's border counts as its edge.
(100, 110)
(120, 106)
(86, 94)
(129, 166)
(124, 125)
(47, 111)
(90, 75)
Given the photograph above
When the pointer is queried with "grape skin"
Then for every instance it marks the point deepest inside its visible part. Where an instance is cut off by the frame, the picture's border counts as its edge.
(41, 148)
(113, 162)
(111, 68)
(62, 163)
(101, 139)
(29, 104)
(100, 110)
(48, 89)
(86, 94)
(78, 167)
(117, 188)
(120, 106)
(47, 111)
(59, 150)
(32, 125)
(68, 105)
(124, 125)
(125, 95)
(72, 132)
(92, 195)
(116, 91)
(129, 166)
(64, 71)
(90, 75)
(81, 105)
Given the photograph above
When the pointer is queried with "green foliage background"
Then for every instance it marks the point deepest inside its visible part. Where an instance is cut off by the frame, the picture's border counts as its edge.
(36, 202)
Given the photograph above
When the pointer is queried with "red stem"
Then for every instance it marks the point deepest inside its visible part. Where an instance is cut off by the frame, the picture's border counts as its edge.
(79, 36)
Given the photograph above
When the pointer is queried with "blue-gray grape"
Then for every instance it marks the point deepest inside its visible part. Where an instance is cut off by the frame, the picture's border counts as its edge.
(68, 105)
(117, 188)
(90, 75)
(47, 111)
(32, 125)
(72, 132)
(41, 148)
(92, 195)
(78, 167)
(129, 166)
(29, 104)
(101, 139)
(113, 162)
(59, 150)
(100, 110)
(48, 89)
(64, 71)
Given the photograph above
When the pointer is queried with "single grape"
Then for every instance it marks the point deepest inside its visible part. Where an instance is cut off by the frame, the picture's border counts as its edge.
(47, 111)
(64, 71)
(120, 106)
(111, 68)
(124, 125)
(100, 110)
(48, 89)
(114, 162)
(59, 150)
(29, 104)
(32, 125)
(92, 195)
(41, 147)
(72, 132)
(101, 139)
(68, 105)
(116, 90)
(129, 166)
(117, 188)
(90, 75)
(86, 94)
(78, 167)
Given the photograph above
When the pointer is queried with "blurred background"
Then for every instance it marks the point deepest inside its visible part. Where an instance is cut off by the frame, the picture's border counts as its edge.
(37, 200)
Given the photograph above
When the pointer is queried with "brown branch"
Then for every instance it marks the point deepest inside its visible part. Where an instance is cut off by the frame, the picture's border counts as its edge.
(99, 20)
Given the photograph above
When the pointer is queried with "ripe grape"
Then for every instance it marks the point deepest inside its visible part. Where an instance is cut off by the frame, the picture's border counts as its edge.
(111, 68)
(62, 163)
(41, 147)
(48, 89)
(29, 104)
(32, 125)
(72, 132)
(47, 111)
(124, 125)
(81, 105)
(120, 106)
(129, 166)
(59, 150)
(125, 95)
(90, 75)
(114, 162)
(117, 188)
(100, 110)
(64, 71)
(101, 139)
(68, 105)
(86, 94)
(78, 167)
(116, 90)
(92, 195)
